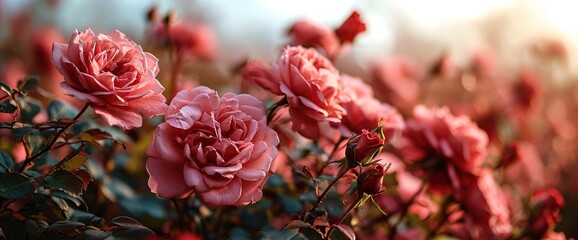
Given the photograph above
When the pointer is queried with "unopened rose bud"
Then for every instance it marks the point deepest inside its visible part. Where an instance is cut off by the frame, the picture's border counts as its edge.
(371, 180)
(363, 147)
(352, 27)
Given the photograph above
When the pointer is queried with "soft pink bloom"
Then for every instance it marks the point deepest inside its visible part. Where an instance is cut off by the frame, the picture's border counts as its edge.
(397, 82)
(309, 82)
(365, 112)
(446, 145)
(311, 34)
(554, 236)
(352, 27)
(41, 45)
(486, 207)
(219, 148)
(112, 74)
(526, 171)
(527, 92)
(190, 39)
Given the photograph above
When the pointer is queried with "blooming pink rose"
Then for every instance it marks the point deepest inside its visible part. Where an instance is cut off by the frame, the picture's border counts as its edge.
(364, 111)
(219, 148)
(309, 82)
(450, 146)
(311, 34)
(112, 74)
(352, 27)
(190, 40)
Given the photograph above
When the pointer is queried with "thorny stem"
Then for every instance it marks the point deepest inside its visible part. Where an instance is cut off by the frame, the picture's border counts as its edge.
(53, 141)
(345, 214)
(176, 66)
(406, 207)
(322, 196)
(443, 218)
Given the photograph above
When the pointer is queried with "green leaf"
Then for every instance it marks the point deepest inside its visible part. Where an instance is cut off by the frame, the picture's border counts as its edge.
(296, 224)
(87, 218)
(29, 108)
(29, 84)
(342, 232)
(63, 230)
(8, 106)
(271, 233)
(126, 227)
(85, 176)
(15, 185)
(6, 161)
(5, 88)
(20, 129)
(74, 162)
(65, 181)
(60, 110)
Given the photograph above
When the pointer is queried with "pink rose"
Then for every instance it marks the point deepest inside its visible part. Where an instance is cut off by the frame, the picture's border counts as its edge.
(112, 74)
(219, 148)
(311, 34)
(362, 147)
(364, 111)
(352, 27)
(448, 146)
(371, 179)
(309, 82)
(397, 80)
(193, 39)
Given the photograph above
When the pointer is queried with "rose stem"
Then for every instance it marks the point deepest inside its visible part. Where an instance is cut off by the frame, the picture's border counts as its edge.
(53, 141)
(322, 196)
(345, 214)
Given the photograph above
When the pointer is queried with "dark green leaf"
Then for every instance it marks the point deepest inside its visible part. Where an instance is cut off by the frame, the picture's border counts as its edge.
(127, 227)
(87, 218)
(8, 106)
(20, 129)
(342, 232)
(271, 233)
(6, 162)
(15, 185)
(333, 204)
(311, 234)
(33, 228)
(63, 230)
(65, 181)
(296, 224)
(85, 176)
(95, 234)
(149, 205)
(29, 108)
(5, 88)
(60, 110)
(30, 83)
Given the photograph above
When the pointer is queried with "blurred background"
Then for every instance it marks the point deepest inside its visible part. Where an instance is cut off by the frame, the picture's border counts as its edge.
(509, 35)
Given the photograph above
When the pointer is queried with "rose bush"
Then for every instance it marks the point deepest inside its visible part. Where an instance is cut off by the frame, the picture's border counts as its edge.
(218, 148)
(112, 74)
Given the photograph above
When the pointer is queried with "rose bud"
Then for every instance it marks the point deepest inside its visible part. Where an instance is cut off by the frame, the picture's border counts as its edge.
(364, 146)
(371, 180)
(547, 204)
(352, 27)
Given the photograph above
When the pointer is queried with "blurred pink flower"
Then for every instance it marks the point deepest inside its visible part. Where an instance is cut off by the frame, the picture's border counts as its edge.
(546, 204)
(112, 74)
(364, 111)
(310, 83)
(350, 28)
(195, 40)
(446, 145)
(397, 82)
(41, 45)
(486, 207)
(315, 35)
(218, 148)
